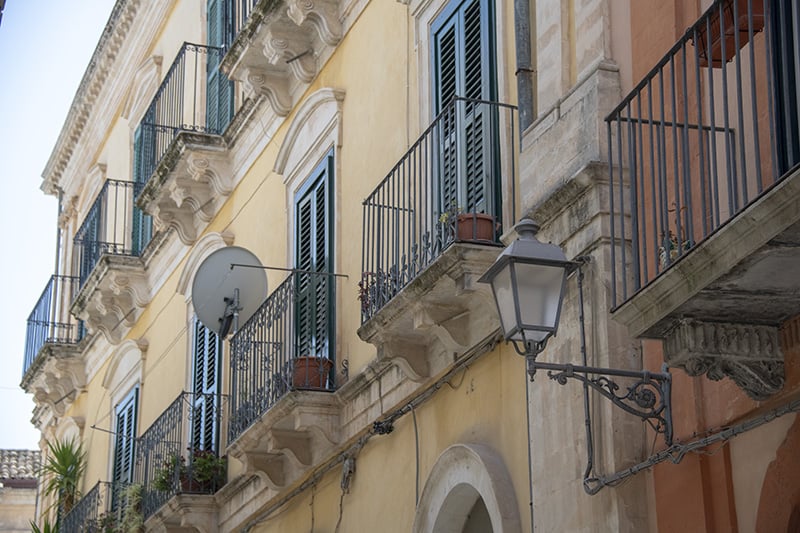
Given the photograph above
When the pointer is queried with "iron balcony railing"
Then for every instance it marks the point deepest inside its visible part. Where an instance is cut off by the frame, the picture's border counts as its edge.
(178, 453)
(194, 96)
(287, 344)
(50, 321)
(92, 513)
(709, 129)
(446, 188)
(113, 225)
(237, 13)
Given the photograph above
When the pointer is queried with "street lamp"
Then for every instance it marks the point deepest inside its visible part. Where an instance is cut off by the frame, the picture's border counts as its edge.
(528, 281)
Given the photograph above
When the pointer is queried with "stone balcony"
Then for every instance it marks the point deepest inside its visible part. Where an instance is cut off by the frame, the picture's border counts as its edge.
(439, 315)
(706, 210)
(281, 46)
(191, 182)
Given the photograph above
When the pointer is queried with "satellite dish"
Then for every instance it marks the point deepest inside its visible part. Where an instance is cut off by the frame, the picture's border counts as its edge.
(222, 293)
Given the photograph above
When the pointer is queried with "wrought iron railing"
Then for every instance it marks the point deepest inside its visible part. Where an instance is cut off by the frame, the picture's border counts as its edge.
(446, 188)
(287, 344)
(50, 321)
(92, 513)
(113, 225)
(237, 12)
(709, 129)
(194, 96)
(169, 461)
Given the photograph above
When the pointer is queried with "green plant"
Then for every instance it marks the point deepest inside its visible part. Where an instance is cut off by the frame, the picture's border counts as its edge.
(173, 470)
(65, 464)
(47, 527)
(451, 212)
(208, 470)
(132, 518)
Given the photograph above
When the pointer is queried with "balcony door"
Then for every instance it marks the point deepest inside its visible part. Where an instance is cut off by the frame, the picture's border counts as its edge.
(313, 253)
(464, 66)
(205, 385)
(219, 89)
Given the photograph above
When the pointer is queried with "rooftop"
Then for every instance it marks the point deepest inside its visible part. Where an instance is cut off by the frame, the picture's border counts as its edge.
(19, 464)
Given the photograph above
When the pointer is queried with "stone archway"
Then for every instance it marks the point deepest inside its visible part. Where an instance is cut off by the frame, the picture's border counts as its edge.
(468, 488)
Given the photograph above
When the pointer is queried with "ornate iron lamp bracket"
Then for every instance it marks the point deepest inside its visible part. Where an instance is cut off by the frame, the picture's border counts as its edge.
(648, 397)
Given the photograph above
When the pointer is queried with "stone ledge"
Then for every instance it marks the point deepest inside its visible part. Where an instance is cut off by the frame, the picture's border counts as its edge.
(186, 512)
(113, 297)
(443, 310)
(190, 184)
(56, 377)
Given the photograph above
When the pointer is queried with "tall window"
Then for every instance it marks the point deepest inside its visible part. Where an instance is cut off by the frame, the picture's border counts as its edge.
(464, 66)
(313, 253)
(124, 444)
(205, 401)
(219, 95)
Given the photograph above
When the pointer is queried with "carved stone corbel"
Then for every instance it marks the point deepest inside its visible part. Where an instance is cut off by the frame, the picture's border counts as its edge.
(273, 84)
(749, 354)
(323, 15)
(284, 44)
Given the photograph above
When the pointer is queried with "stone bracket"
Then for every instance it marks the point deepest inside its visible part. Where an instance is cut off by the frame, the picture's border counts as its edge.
(113, 296)
(273, 84)
(186, 512)
(439, 315)
(749, 354)
(189, 185)
(294, 434)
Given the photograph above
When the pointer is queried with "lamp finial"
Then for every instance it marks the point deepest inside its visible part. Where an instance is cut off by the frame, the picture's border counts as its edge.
(526, 228)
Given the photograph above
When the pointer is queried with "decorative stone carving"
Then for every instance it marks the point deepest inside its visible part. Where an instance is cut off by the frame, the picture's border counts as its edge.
(56, 377)
(749, 354)
(273, 84)
(186, 512)
(294, 434)
(294, 36)
(323, 15)
(113, 296)
(189, 185)
(287, 46)
(440, 315)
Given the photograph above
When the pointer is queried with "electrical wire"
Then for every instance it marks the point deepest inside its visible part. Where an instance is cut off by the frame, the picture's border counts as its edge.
(678, 451)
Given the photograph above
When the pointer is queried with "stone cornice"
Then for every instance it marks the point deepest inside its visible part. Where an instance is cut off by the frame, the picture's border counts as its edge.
(97, 91)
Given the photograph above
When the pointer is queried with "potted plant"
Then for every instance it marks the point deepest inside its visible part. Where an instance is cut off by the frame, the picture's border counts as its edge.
(208, 470)
(132, 520)
(172, 471)
(468, 226)
(310, 372)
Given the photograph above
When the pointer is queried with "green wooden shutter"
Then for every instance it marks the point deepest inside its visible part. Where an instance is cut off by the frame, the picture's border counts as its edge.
(207, 353)
(124, 445)
(313, 250)
(143, 149)
(463, 62)
(219, 89)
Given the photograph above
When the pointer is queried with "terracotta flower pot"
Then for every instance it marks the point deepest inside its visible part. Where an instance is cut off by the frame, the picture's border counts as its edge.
(474, 227)
(311, 372)
(710, 47)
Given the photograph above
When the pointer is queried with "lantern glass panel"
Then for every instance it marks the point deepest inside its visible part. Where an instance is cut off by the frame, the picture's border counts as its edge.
(504, 296)
(539, 293)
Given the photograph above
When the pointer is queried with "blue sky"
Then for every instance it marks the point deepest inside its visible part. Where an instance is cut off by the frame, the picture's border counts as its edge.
(45, 46)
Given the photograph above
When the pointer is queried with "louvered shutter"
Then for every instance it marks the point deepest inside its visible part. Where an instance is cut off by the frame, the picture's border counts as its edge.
(464, 66)
(124, 445)
(205, 422)
(313, 296)
(219, 89)
(143, 150)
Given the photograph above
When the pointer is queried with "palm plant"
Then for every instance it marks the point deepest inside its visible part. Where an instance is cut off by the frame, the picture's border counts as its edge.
(47, 527)
(66, 462)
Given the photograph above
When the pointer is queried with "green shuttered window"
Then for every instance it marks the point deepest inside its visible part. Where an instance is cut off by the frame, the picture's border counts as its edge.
(313, 223)
(464, 66)
(206, 381)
